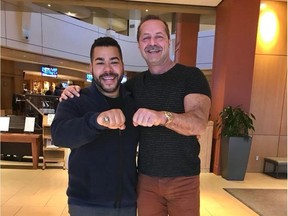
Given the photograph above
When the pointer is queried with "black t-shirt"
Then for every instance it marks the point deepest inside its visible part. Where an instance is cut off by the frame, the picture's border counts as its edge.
(114, 103)
(163, 152)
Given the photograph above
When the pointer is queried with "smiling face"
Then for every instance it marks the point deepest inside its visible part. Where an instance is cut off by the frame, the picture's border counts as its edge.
(154, 43)
(107, 69)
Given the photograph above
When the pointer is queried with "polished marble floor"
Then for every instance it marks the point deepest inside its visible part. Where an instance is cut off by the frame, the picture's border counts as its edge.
(28, 192)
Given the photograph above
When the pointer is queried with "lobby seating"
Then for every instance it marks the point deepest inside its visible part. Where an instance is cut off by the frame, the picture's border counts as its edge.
(275, 166)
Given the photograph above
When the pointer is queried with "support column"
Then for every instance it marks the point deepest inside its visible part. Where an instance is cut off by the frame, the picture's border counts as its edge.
(187, 28)
(233, 62)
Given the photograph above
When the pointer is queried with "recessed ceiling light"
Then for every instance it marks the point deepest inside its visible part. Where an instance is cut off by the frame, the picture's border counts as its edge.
(49, 5)
(71, 14)
(147, 10)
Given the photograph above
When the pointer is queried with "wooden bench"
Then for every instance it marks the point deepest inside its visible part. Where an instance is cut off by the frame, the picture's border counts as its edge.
(278, 167)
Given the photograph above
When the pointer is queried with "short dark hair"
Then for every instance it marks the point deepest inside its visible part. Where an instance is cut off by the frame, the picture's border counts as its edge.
(152, 17)
(106, 42)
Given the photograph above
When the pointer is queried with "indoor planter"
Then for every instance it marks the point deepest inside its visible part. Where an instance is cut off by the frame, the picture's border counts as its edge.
(234, 125)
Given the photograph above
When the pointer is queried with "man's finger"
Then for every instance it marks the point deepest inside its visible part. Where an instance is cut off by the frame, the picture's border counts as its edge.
(122, 127)
(63, 97)
(77, 88)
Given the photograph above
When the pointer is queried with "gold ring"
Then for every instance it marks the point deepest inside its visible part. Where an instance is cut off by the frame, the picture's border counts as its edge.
(106, 119)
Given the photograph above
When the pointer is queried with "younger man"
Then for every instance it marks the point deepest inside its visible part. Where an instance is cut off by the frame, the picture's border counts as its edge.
(98, 129)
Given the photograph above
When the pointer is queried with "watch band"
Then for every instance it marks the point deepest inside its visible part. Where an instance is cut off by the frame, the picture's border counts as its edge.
(169, 117)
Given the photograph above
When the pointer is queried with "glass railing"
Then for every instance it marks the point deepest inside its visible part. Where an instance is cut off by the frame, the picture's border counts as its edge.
(34, 105)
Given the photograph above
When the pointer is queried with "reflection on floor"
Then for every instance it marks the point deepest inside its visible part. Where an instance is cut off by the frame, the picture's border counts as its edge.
(27, 192)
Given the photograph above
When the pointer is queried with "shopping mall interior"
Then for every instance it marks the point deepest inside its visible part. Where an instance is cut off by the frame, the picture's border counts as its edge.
(47, 43)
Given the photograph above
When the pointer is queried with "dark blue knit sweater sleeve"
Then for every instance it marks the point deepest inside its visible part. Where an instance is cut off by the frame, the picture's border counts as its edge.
(71, 128)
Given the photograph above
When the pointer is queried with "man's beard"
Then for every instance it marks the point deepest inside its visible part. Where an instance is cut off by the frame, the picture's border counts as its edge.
(102, 86)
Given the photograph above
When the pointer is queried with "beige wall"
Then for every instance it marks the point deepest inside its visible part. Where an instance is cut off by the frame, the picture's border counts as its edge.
(268, 99)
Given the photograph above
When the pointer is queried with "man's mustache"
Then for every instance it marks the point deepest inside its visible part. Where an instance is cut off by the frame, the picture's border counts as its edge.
(154, 48)
(108, 74)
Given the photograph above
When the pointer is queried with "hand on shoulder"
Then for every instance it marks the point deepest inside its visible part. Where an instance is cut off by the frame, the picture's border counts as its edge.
(70, 92)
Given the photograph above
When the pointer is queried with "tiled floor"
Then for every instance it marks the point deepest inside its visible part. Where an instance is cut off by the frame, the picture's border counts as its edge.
(28, 192)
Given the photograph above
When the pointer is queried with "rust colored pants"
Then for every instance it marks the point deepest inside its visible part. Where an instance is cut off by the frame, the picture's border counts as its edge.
(177, 196)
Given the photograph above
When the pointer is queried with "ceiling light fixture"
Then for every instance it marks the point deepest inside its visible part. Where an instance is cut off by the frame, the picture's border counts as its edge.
(71, 14)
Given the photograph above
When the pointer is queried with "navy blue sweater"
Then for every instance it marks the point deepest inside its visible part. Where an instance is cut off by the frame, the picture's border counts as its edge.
(102, 166)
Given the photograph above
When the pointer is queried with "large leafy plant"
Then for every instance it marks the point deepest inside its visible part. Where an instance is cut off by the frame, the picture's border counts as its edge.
(235, 122)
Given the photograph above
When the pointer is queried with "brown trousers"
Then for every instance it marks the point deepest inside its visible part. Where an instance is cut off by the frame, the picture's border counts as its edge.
(177, 196)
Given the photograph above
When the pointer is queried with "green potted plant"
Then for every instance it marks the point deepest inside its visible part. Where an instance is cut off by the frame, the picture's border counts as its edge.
(235, 127)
